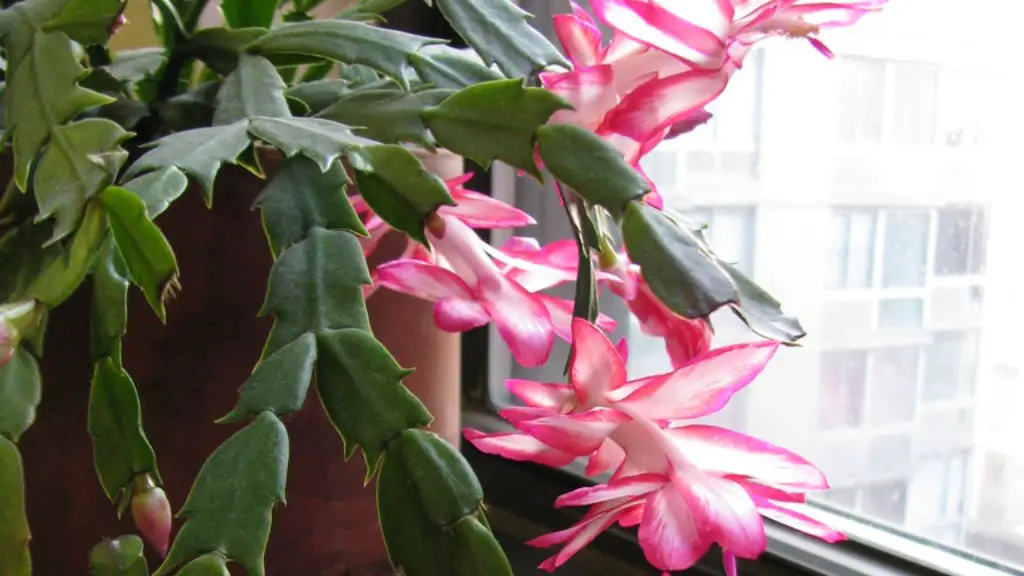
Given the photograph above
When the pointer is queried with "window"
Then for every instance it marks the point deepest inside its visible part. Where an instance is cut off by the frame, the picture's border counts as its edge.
(952, 366)
(886, 501)
(888, 101)
(842, 388)
(852, 237)
(902, 394)
(905, 249)
(900, 313)
(962, 241)
(893, 386)
(862, 100)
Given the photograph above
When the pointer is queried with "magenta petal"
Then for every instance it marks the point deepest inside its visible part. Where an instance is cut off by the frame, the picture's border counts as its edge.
(729, 563)
(608, 457)
(724, 452)
(453, 314)
(731, 515)
(561, 316)
(519, 447)
(578, 434)
(595, 364)
(701, 387)
(539, 394)
(580, 534)
(523, 322)
(671, 27)
(659, 103)
(623, 349)
(422, 280)
(481, 211)
(579, 37)
(671, 535)
(629, 487)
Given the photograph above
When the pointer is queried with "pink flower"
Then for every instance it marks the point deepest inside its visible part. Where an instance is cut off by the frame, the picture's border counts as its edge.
(686, 486)
(684, 338)
(151, 512)
(667, 60)
(475, 209)
(469, 291)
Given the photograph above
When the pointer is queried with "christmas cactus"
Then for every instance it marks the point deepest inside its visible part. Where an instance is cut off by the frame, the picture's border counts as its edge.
(103, 143)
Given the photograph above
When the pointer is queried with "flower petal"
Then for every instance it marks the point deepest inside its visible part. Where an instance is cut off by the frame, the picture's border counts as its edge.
(481, 211)
(579, 434)
(519, 447)
(580, 534)
(701, 387)
(540, 394)
(730, 512)
(656, 105)
(561, 316)
(721, 451)
(693, 31)
(595, 365)
(579, 37)
(794, 516)
(671, 534)
(629, 487)
(609, 456)
(522, 320)
(454, 314)
(422, 280)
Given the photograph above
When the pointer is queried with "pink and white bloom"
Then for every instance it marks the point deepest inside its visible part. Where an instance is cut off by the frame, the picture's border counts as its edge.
(475, 209)
(686, 486)
(684, 338)
(469, 291)
(667, 60)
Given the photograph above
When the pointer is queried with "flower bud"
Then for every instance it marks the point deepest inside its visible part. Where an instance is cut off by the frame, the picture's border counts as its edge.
(15, 320)
(151, 512)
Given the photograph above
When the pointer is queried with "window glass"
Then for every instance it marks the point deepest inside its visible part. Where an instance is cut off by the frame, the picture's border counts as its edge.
(900, 313)
(961, 242)
(952, 365)
(905, 248)
(852, 250)
(861, 89)
(841, 390)
(893, 385)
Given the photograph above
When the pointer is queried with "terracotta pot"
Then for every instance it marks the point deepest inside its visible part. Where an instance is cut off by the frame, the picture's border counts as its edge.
(188, 373)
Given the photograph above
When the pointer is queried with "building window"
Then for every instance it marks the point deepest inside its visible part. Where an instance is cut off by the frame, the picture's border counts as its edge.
(951, 366)
(861, 99)
(900, 313)
(887, 101)
(961, 241)
(893, 386)
(905, 248)
(914, 102)
(852, 248)
(841, 390)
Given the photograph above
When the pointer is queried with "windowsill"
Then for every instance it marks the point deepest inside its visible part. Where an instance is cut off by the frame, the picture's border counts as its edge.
(521, 513)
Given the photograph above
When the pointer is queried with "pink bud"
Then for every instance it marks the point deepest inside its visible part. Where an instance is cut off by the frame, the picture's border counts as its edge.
(6, 344)
(151, 512)
(15, 320)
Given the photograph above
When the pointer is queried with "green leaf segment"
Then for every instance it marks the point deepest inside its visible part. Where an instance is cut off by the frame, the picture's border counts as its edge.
(395, 89)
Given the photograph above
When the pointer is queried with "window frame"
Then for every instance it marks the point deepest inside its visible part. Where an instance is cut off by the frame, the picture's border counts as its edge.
(522, 514)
